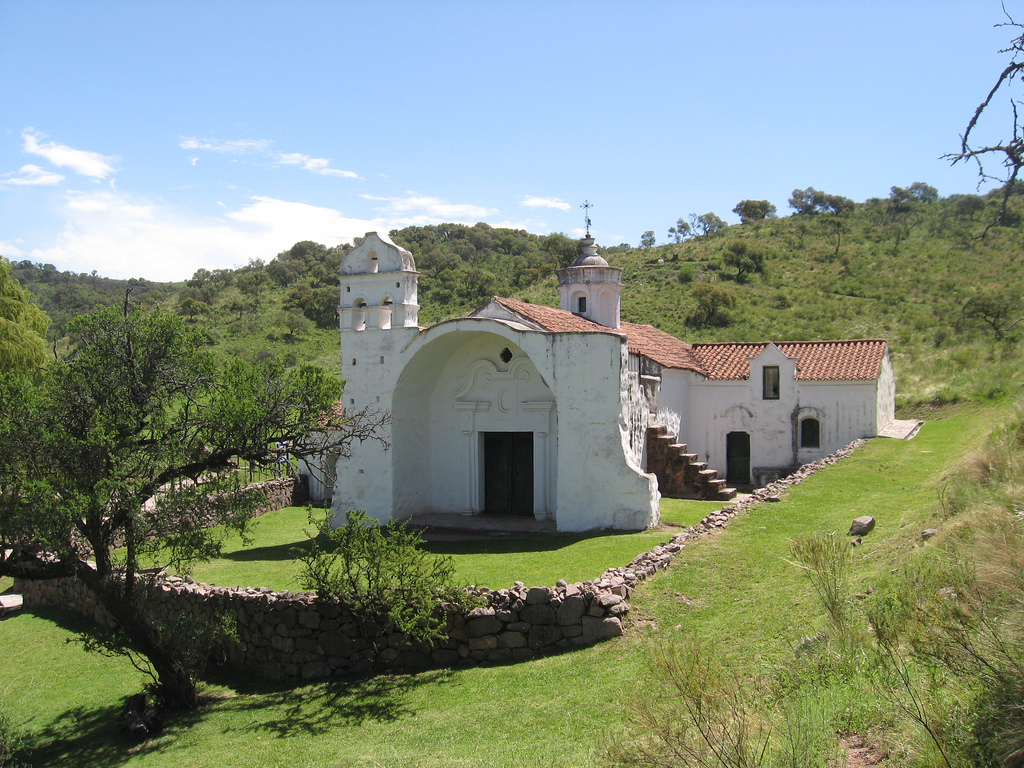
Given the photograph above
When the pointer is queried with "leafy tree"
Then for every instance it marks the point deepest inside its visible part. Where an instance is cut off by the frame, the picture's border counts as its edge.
(994, 309)
(296, 323)
(965, 207)
(22, 326)
(744, 257)
(383, 577)
(750, 211)
(904, 210)
(477, 284)
(190, 307)
(834, 228)
(253, 283)
(713, 305)
(680, 231)
(318, 304)
(706, 225)
(140, 410)
(648, 239)
(811, 201)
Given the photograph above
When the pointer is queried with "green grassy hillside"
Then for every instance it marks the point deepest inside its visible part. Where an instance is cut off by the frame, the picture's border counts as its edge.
(931, 275)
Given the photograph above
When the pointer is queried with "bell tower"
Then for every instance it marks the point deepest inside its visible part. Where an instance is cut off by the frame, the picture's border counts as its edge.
(590, 287)
(378, 286)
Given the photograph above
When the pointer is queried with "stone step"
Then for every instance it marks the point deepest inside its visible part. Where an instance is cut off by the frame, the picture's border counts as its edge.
(677, 447)
(657, 429)
(708, 474)
(726, 494)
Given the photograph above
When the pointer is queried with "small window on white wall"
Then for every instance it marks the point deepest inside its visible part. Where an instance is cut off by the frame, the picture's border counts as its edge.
(581, 305)
(770, 382)
(810, 433)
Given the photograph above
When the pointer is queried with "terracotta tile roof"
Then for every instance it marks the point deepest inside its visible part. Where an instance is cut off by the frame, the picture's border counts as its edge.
(855, 360)
(550, 318)
(663, 348)
(335, 417)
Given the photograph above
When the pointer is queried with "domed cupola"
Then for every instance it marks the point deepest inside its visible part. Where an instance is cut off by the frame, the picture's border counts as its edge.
(590, 288)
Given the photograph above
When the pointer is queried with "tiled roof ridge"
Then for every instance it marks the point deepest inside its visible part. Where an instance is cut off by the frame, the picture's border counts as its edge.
(553, 319)
(835, 360)
(783, 343)
(858, 359)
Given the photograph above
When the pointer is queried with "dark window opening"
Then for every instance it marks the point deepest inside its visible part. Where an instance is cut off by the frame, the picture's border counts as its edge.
(506, 355)
(770, 382)
(581, 305)
(810, 433)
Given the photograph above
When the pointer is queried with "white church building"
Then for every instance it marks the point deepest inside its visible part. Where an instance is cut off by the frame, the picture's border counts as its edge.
(571, 415)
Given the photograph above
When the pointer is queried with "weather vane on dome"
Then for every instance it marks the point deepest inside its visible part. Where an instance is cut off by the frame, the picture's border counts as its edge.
(587, 205)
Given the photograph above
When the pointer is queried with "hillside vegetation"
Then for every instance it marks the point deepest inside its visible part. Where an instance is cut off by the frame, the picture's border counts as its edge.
(932, 275)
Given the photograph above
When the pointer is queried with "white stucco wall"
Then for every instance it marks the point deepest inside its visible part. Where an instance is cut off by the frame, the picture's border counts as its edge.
(845, 411)
(371, 361)
(447, 385)
(674, 400)
(886, 395)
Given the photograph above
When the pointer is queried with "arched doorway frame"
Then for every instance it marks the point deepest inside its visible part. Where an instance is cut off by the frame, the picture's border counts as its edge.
(455, 388)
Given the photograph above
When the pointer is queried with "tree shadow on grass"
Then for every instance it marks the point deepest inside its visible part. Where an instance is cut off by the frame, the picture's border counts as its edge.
(277, 552)
(525, 544)
(318, 708)
(83, 736)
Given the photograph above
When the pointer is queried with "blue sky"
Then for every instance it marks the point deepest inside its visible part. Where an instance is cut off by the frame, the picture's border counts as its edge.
(149, 139)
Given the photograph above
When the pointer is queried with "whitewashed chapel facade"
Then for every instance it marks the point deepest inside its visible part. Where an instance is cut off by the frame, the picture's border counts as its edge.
(571, 415)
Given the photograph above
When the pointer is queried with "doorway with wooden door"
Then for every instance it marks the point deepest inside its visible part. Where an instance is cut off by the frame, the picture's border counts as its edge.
(508, 473)
(737, 458)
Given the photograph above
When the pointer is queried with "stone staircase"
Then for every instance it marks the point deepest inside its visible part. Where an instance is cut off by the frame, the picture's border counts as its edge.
(680, 474)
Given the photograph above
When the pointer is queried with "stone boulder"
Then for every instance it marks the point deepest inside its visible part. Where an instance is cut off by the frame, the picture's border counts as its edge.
(862, 526)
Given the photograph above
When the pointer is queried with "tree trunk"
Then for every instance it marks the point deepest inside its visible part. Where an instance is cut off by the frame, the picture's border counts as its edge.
(175, 686)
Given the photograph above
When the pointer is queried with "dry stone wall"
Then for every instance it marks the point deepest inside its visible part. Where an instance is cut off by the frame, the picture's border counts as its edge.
(296, 636)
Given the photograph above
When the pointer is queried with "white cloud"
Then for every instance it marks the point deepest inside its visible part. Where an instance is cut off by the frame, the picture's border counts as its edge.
(318, 165)
(431, 210)
(546, 202)
(314, 164)
(31, 176)
(231, 147)
(121, 236)
(80, 161)
(11, 251)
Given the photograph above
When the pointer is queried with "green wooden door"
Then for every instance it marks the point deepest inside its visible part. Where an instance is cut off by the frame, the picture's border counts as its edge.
(737, 458)
(508, 473)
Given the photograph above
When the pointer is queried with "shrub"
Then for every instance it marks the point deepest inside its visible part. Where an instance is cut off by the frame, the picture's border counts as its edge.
(826, 560)
(382, 576)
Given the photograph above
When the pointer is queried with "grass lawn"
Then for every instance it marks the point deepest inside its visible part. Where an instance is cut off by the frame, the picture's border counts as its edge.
(737, 590)
(494, 563)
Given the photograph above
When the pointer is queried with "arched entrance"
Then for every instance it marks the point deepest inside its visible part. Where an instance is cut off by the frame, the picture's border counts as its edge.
(474, 427)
